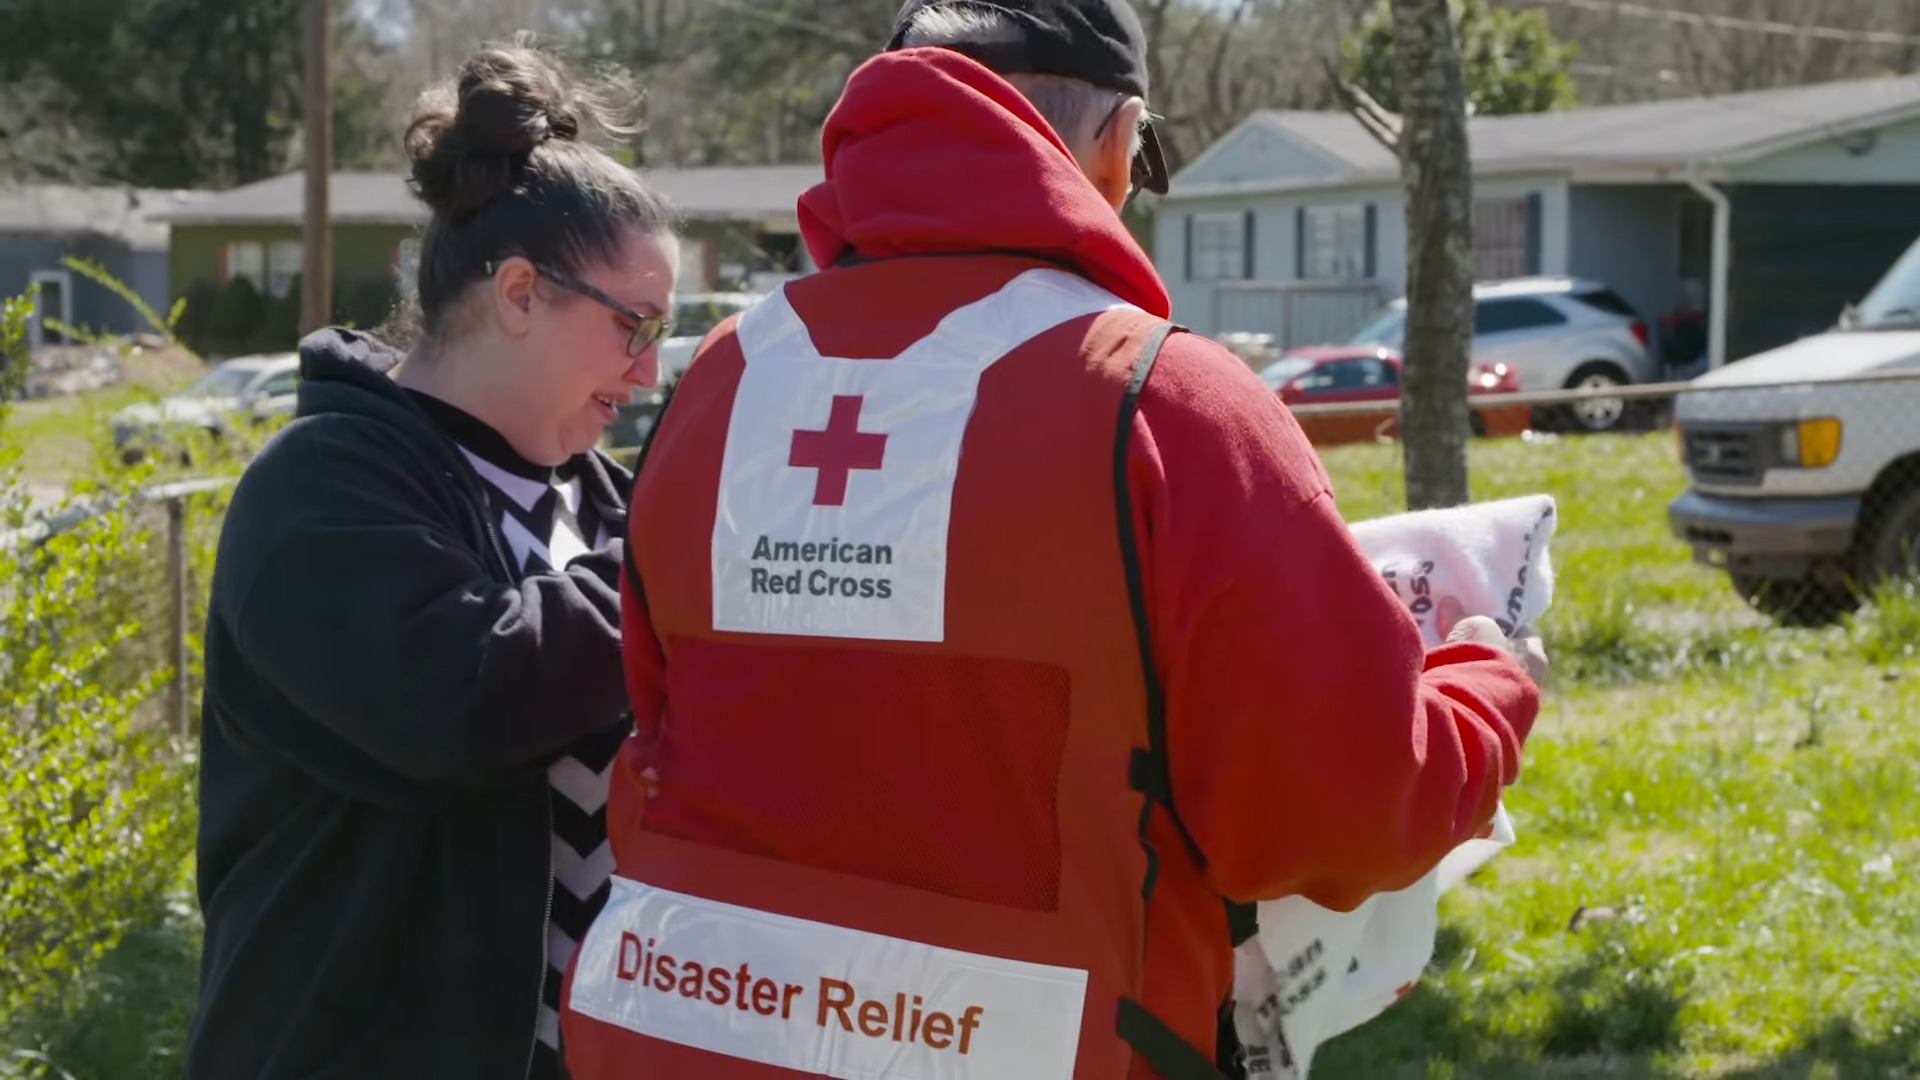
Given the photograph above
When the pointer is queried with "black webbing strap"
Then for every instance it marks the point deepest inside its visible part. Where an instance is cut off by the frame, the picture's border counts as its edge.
(1147, 771)
(1161, 1047)
(640, 462)
(1157, 1044)
(1242, 923)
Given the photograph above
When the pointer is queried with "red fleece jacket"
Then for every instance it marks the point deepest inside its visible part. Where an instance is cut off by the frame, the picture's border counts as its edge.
(1315, 747)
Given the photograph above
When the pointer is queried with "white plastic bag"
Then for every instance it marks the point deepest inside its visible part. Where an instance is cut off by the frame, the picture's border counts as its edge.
(1311, 974)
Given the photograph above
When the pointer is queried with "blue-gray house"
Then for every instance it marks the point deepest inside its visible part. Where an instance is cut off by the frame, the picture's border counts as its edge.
(1785, 205)
(43, 224)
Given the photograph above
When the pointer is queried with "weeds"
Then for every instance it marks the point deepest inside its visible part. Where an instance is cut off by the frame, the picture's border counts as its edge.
(1732, 797)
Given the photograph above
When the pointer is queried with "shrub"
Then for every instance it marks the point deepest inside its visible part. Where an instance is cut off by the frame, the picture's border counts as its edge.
(13, 348)
(279, 329)
(238, 312)
(97, 791)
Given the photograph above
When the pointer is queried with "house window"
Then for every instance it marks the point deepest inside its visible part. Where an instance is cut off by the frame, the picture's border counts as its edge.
(285, 260)
(247, 259)
(1333, 242)
(1217, 247)
(1503, 238)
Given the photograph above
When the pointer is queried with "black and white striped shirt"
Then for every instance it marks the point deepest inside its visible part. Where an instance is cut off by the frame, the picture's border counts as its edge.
(545, 522)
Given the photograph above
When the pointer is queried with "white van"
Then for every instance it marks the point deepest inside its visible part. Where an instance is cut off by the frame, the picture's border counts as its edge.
(1805, 476)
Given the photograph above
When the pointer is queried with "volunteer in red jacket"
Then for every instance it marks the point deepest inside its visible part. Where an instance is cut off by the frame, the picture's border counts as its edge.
(984, 639)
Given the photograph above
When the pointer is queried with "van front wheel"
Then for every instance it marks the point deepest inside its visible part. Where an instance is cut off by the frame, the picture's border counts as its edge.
(1804, 603)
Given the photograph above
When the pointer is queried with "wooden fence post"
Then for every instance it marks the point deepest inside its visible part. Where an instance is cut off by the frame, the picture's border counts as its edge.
(177, 612)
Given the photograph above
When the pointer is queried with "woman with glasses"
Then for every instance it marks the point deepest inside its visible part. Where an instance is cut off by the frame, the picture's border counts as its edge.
(413, 681)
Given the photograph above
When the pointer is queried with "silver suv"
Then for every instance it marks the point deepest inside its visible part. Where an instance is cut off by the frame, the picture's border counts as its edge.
(1554, 333)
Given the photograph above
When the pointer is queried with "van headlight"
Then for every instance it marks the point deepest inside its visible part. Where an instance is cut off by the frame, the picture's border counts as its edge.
(1811, 444)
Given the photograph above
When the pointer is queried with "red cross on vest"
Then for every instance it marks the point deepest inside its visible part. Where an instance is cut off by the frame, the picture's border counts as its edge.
(837, 451)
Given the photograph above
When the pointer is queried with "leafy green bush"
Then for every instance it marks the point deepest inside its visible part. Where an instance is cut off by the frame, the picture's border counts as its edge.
(96, 789)
(238, 312)
(279, 328)
(196, 320)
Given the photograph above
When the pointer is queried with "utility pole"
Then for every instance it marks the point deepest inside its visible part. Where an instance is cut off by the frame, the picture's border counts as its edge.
(316, 293)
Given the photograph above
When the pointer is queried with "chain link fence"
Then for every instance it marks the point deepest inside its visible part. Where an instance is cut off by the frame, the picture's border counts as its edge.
(175, 527)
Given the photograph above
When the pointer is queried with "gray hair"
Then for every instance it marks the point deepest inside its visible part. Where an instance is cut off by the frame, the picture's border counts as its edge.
(1074, 107)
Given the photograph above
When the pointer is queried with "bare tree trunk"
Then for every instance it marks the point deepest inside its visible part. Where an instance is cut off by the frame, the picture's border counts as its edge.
(1439, 193)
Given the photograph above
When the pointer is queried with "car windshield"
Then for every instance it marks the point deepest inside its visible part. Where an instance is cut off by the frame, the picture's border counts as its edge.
(1385, 329)
(223, 381)
(1894, 304)
(1283, 370)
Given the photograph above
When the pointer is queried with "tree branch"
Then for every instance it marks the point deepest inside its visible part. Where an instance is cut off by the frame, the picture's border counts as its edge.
(1373, 118)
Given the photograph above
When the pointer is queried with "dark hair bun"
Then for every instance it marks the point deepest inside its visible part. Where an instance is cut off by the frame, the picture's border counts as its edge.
(471, 140)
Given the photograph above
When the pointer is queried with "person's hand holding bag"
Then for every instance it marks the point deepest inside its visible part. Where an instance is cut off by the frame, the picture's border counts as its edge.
(1526, 648)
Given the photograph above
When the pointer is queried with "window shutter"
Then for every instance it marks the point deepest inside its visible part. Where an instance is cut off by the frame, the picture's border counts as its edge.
(1533, 233)
(1189, 247)
(1246, 248)
(1300, 242)
(1373, 241)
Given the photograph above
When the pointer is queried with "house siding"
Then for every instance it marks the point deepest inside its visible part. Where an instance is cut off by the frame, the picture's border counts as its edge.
(360, 252)
(1629, 237)
(94, 308)
(1277, 240)
(1890, 155)
(1259, 154)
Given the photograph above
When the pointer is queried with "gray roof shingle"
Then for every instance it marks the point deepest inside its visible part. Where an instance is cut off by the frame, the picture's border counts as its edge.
(720, 193)
(132, 216)
(1656, 134)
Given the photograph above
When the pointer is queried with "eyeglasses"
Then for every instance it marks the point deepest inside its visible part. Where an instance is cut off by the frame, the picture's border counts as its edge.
(646, 330)
(1142, 172)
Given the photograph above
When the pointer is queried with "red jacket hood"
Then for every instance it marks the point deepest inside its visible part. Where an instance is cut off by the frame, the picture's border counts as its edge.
(927, 151)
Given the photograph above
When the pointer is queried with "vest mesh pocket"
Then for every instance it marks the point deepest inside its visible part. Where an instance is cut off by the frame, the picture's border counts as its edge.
(933, 772)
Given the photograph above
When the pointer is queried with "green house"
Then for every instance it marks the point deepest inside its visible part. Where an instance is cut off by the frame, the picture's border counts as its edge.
(235, 257)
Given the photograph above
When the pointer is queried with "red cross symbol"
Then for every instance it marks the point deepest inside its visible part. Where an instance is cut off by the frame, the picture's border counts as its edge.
(837, 451)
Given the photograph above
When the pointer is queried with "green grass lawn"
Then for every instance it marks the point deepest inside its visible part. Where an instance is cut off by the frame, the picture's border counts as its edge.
(57, 436)
(1738, 797)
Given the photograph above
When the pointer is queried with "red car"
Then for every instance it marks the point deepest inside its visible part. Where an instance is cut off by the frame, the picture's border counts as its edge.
(1342, 374)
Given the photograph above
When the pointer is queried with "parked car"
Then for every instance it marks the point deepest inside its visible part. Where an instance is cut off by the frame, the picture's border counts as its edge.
(1555, 333)
(247, 389)
(1805, 481)
(1328, 375)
